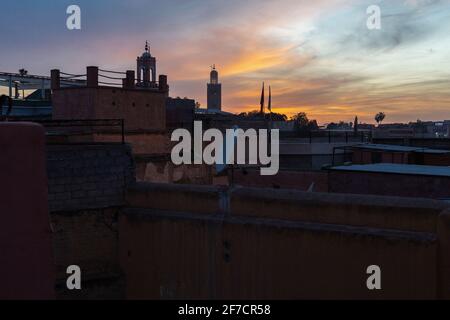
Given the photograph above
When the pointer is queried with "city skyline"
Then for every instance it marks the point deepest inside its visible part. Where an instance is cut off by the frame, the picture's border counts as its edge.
(319, 57)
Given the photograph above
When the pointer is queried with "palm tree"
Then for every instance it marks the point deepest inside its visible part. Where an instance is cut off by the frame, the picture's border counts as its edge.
(379, 117)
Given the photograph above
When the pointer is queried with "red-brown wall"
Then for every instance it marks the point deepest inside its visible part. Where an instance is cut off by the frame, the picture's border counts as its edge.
(397, 185)
(141, 109)
(428, 159)
(299, 180)
(185, 242)
(365, 157)
(437, 159)
(26, 259)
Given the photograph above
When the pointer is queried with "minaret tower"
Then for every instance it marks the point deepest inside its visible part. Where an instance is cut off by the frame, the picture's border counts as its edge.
(146, 68)
(214, 91)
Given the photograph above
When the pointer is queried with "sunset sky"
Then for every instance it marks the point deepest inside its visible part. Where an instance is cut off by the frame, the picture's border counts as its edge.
(318, 56)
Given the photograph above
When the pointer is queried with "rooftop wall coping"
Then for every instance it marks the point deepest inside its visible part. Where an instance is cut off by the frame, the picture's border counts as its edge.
(297, 196)
(354, 199)
(147, 186)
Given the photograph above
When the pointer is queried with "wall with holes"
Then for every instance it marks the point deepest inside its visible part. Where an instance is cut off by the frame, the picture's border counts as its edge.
(141, 109)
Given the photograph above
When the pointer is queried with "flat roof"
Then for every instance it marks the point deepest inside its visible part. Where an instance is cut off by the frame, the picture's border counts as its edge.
(399, 148)
(391, 168)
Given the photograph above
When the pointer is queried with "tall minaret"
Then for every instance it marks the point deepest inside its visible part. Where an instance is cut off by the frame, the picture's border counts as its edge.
(214, 91)
(146, 68)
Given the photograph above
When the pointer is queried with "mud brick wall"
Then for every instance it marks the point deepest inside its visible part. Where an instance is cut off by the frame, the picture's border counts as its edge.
(88, 239)
(88, 176)
(86, 185)
(141, 109)
(191, 242)
(285, 179)
(26, 262)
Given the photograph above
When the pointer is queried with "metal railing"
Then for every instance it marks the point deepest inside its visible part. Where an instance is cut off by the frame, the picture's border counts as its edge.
(96, 77)
(107, 74)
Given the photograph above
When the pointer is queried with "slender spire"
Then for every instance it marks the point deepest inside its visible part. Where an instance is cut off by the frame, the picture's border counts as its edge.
(262, 100)
(270, 100)
(146, 46)
(270, 109)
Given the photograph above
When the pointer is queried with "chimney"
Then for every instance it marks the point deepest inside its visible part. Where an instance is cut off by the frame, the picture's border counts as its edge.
(163, 83)
(129, 81)
(55, 79)
(92, 77)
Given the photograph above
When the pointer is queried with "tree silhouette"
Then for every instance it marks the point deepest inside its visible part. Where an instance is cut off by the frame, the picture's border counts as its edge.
(302, 123)
(379, 117)
(256, 115)
(301, 119)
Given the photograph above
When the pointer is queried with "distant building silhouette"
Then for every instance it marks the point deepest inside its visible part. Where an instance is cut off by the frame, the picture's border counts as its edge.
(214, 91)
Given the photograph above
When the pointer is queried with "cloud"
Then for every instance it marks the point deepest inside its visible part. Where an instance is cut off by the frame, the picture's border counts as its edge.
(318, 56)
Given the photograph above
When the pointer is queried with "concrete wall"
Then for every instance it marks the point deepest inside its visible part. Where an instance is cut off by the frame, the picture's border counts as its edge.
(204, 242)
